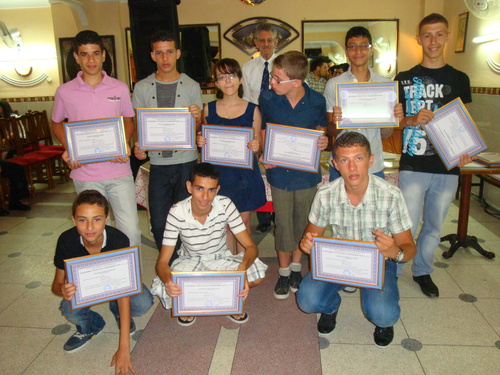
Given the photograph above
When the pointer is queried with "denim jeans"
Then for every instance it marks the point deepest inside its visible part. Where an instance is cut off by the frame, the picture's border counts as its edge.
(381, 307)
(120, 192)
(334, 174)
(435, 192)
(88, 321)
(167, 186)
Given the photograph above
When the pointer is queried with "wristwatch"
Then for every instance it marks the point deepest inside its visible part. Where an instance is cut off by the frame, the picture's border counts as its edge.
(400, 256)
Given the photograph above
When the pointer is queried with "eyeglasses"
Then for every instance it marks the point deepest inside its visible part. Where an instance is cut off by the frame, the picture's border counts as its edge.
(229, 77)
(361, 46)
(266, 40)
(278, 80)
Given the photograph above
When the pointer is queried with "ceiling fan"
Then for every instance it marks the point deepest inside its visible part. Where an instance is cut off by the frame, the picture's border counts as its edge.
(12, 38)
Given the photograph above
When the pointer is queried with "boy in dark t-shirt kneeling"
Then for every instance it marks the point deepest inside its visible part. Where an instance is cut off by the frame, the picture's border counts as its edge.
(91, 235)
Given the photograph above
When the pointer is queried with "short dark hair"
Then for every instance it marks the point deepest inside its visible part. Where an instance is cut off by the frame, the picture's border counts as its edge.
(358, 32)
(206, 170)
(6, 109)
(91, 197)
(351, 139)
(293, 63)
(264, 26)
(344, 67)
(431, 19)
(87, 37)
(318, 61)
(164, 36)
(228, 66)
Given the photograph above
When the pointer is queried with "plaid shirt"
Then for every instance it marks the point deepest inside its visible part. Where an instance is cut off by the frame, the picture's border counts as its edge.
(318, 86)
(382, 206)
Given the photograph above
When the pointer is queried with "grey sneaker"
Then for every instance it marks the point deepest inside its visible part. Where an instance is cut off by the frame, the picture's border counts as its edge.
(295, 279)
(282, 288)
(78, 340)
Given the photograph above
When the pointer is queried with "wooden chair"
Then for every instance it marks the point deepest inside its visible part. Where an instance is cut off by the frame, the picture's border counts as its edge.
(41, 126)
(15, 137)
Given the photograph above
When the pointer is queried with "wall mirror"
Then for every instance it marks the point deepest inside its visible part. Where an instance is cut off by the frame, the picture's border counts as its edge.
(200, 46)
(326, 38)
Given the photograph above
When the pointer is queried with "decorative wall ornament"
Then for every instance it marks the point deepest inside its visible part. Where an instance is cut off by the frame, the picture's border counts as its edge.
(35, 81)
(241, 34)
(252, 2)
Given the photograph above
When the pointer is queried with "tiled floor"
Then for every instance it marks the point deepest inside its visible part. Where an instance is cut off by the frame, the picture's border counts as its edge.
(458, 333)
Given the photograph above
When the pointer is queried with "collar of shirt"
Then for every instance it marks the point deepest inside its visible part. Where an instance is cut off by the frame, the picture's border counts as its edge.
(369, 198)
(216, 206)
(103, 241)
(354, 79)
(104, 81)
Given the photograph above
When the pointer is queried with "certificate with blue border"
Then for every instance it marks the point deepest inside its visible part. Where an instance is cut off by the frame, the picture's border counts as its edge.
(104, 277)
(291, 147)
(97, 140)
(163, 129)
(367, 104)
(227, 146)
(208, 293)
(346, 262)
(453, 133)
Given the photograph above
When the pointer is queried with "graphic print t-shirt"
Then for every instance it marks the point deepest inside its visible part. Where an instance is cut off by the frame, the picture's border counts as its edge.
(431, 89)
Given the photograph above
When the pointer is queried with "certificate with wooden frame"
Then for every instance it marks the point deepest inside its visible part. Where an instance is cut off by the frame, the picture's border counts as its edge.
(227, 146)
(104, 277)
(292, 147)
(454, 133)
(367, 104)
(97, 140)
(165, 129)
(347, 262)
(208, 293)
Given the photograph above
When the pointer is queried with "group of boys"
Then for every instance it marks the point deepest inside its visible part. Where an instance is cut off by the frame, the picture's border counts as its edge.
(359, 206)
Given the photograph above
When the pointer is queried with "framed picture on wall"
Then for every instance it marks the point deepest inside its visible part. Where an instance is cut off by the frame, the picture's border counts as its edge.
(461, 32)
(70, 67)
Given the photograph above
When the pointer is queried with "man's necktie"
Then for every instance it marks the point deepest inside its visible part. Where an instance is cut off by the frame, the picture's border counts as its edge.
(265, 78)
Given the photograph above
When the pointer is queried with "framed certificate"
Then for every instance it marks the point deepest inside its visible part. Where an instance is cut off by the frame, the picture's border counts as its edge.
(367, 104)
(291, 147)
(228, 146)
(453, 133)
(355, 263)
(165, 129)
(104, 277)
(96, 140)
(208, 293)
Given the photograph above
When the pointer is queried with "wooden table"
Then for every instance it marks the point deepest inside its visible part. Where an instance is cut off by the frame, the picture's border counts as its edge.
(461, 239)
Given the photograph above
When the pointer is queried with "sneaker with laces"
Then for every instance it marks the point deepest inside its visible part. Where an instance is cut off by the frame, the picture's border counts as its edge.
(383, 336)
(282, 288)
(78, 340)
(295, 279)
(327, 323)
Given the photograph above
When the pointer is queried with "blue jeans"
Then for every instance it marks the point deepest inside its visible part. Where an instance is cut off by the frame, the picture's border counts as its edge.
(334, 174)
(120, 192)
(88, 321)
(167, 186)
(381, 307)
(435, 192)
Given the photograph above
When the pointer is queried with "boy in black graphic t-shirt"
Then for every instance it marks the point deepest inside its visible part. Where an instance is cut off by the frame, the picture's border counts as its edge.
(423, 178)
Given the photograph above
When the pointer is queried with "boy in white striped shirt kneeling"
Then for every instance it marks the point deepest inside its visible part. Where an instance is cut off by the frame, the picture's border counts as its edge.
(201, 221)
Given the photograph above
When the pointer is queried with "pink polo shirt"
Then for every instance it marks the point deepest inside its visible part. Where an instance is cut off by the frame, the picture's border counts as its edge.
(77, 101)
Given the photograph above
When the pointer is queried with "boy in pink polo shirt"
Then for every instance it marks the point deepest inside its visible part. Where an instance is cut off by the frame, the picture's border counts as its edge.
(93, 95)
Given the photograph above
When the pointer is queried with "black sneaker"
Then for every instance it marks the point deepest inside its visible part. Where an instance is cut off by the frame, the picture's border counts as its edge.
(427, 285)
(383, 336)
(295, 279)
(327, 323)
(132, 324)
(78, 340)
(282, 288)
(186, 321)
